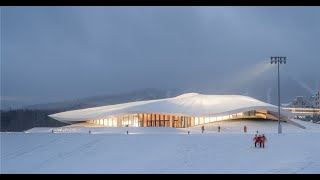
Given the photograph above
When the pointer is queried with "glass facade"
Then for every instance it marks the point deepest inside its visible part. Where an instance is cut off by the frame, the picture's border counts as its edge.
(166, 120)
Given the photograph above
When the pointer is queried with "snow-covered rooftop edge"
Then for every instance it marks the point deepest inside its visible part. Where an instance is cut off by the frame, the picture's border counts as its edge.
(193, 104)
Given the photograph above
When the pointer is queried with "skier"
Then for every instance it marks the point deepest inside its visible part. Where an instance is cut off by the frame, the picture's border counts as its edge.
(202, 128)
(245, 129)
(262, 140)
(256, 140)
(218, 128)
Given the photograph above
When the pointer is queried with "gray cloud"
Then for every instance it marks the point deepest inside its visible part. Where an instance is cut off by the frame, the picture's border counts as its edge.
(57, 53)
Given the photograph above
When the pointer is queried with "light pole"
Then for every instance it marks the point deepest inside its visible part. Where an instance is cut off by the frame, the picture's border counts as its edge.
(278, 60)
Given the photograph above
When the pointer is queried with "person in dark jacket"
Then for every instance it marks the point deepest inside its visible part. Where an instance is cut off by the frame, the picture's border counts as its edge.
(256, 140)
(263, 139)
(202, 129)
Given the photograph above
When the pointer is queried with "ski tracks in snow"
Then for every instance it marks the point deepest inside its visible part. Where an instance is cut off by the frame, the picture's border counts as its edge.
(83, 148)
(23, 151)
(185, 151)
(189, 152)
(296, 168)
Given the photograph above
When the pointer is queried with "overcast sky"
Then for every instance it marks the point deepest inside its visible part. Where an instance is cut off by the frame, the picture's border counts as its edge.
(58, 53)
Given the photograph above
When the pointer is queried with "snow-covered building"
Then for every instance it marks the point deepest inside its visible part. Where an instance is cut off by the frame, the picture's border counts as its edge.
(183, 111)
(304, 109)
(300, 102)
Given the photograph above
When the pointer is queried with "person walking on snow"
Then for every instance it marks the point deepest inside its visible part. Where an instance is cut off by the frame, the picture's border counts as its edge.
(245, 129)
(218, 128)
(262, 140)
(202, 128)
(256, 140)
(259, 140)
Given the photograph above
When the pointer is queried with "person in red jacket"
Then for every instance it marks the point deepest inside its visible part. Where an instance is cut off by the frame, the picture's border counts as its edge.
(262, 140)
(256, 140)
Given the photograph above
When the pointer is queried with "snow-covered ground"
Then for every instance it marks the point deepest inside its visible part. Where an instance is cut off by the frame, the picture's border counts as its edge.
(163, 150)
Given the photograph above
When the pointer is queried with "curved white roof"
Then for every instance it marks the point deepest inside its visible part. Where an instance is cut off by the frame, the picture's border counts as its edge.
(186, 104)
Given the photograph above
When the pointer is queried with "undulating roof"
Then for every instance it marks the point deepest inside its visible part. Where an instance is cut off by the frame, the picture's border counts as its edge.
(186, 104)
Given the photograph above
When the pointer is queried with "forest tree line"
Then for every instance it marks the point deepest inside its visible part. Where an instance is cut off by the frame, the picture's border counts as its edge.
(24, 119)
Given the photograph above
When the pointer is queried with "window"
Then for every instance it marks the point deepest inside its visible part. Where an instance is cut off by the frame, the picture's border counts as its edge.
(206, 120)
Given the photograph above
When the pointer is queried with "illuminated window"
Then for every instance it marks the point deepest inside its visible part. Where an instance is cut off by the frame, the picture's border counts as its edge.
(192, 121)
(201, 119)
(239, 114)
(206, 119)
(114, 122)
(196, 120)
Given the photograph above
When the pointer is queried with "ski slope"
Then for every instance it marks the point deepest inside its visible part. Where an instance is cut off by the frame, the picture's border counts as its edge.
(163, 150)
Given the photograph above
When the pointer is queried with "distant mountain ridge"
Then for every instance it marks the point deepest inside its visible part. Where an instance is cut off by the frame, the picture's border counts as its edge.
(263, 90)
(102, 100)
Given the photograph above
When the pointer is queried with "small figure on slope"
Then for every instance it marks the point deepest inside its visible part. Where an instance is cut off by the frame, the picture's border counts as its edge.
(263, 139)
(256, 140)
